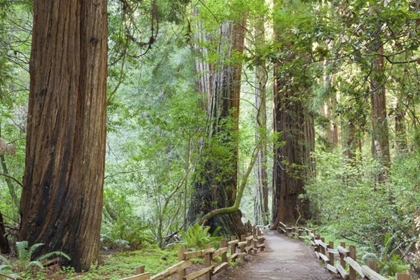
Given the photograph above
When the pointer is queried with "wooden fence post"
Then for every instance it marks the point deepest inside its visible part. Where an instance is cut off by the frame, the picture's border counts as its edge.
(242, 250)
(342, 262)
(223, 244)
(317, 247)
(403, 276)
(207, 262)
(254, 239)
(352, 250)
(233, 247)
(372, 265)
(322, 247)
(182, 272)
(140, 269)
(260, 240)
(330, 253)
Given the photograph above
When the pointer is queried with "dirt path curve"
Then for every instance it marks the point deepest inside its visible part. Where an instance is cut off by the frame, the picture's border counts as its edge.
(283, 258)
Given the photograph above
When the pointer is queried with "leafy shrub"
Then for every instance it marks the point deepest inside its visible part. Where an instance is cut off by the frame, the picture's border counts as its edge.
(198, 236)
(379, 216)
(387, 257)
(346, 191)
(121, 228)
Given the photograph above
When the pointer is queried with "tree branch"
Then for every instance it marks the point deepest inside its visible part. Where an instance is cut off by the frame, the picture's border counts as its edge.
(10, 177)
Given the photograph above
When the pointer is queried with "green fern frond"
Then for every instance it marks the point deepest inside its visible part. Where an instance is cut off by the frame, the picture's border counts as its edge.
(22, 250)
(51, 254)
(34, 263)
(33, 248)
(4, 260)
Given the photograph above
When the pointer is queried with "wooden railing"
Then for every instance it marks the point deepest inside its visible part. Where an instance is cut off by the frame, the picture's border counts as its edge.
(337, 259)
(228, 251)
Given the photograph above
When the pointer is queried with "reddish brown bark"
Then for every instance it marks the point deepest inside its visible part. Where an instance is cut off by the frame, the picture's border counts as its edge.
(216, 183)
(292, 118)
(61, 204)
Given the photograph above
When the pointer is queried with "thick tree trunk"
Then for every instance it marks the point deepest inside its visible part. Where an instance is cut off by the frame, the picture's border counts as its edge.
(292, 161)
(216, 182)
(61, 204)
(292, 118)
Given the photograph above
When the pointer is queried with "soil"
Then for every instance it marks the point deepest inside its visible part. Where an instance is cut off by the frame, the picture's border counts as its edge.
(283, 258)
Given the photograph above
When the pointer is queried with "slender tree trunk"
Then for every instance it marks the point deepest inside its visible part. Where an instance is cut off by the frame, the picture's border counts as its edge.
(61, 203)
(380, 134)
(9, 183)
(261, 210)
(400, 128)
(4, 243)
(327, 111)
(350, 140)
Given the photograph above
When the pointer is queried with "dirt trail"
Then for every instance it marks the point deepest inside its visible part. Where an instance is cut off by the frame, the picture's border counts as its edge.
(283, 258)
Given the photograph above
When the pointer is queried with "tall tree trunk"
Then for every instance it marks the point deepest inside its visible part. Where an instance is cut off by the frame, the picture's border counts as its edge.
(292, 118)
(61, 203)
(216, 181)
(350, 139)
(380, 138)
(261, 211)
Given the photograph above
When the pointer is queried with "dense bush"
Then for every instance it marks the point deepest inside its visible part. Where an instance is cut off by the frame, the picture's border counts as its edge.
(378, 216)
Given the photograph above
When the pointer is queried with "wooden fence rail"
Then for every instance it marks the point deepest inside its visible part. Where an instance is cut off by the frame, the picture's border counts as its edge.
(337, 259)
(228, 251)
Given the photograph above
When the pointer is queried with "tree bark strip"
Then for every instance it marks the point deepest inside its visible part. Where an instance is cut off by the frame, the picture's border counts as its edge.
(61, 204)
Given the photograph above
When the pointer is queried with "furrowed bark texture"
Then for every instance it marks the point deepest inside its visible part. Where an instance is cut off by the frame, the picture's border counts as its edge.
(216, 181)
(61, 204)
(293, 119)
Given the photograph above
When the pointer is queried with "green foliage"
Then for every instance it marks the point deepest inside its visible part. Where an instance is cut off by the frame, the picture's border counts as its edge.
(379, 217)
(25, 255)
(343, 187)
(197, 236)
(388, 260)
(121, 228)
(6, 269)
(23, 266)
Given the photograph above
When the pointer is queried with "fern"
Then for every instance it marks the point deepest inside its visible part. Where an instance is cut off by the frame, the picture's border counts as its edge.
(6, 269)
(198, 236)
(25, 255)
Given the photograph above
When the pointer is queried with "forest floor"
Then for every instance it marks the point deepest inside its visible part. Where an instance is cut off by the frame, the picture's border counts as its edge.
(283, 258)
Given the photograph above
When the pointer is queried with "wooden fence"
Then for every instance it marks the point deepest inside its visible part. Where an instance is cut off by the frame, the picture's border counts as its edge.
(215, 260)
(337, 259)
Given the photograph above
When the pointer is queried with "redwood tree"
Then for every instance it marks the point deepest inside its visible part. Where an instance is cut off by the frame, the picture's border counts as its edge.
(216, 179)
(61, 203)
(292, 118)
